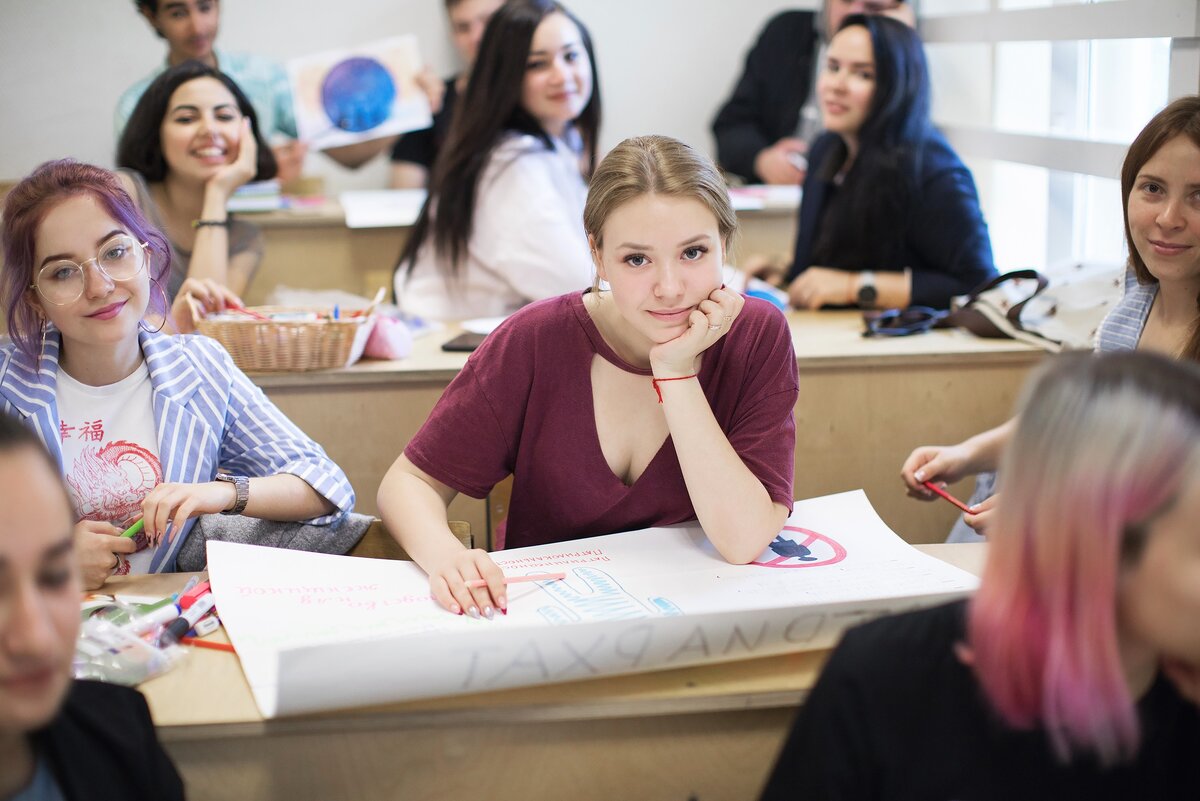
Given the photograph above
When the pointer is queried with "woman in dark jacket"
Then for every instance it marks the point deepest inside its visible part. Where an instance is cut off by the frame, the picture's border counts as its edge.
(59, 738)
(890, 216)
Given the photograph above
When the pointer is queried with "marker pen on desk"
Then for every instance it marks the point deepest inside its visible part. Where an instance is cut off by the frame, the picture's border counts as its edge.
(152, 619)
(183, 624)
(929, 485)
(206, 625)
(194, 594)
(192, 582)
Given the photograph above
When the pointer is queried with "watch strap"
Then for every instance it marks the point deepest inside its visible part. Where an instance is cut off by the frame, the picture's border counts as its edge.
(241, 487)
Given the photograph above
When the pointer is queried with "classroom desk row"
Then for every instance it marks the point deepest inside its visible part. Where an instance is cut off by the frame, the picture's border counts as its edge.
(311, 247)
(864, 403)
(709, 732)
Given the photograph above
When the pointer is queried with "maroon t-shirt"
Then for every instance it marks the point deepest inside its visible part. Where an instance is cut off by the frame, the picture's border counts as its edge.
(523, 405)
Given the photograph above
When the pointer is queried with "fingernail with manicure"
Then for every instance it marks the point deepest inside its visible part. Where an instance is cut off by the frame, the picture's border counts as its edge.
(488, 613)
(473, 612)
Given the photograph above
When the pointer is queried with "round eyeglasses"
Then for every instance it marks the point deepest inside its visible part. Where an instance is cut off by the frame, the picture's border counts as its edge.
(120, 258)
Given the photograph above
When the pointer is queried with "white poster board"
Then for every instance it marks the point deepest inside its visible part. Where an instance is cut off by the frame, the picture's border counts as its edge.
(342, 97)
(318, 632)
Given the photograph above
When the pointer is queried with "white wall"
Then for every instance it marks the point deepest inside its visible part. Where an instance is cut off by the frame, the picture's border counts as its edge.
(665, 65)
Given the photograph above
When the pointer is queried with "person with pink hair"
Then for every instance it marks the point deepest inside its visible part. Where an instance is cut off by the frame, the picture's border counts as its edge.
(1074, 672)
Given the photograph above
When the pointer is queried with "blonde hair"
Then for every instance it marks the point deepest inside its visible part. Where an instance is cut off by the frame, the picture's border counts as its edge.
(657, 165)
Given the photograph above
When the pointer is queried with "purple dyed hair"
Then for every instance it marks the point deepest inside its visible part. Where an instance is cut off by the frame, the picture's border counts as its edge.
(1103, 445)
(25, 208)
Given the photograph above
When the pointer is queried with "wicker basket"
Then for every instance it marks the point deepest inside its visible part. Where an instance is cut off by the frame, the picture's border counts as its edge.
(276, 345)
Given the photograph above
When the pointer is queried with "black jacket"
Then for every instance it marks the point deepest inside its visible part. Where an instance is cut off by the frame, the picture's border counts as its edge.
(945, 241)
(102, 745)
(766, 103)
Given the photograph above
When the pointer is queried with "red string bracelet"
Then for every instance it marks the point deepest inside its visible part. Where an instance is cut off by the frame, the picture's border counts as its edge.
(658, 391)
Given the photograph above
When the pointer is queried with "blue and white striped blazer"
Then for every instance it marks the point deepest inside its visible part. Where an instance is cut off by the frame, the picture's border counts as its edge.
(207, 414)
(1123, 326)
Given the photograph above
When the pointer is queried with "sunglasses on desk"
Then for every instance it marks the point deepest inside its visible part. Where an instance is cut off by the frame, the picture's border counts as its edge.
(901, 322)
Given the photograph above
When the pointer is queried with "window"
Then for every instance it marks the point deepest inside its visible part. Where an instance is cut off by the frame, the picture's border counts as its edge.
(1041, 98)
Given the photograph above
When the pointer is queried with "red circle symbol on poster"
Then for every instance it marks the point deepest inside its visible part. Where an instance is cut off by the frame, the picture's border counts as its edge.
(804, 549)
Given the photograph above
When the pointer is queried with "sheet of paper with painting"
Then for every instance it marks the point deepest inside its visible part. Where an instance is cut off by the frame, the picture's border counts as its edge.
(321, 632)
(342, 97)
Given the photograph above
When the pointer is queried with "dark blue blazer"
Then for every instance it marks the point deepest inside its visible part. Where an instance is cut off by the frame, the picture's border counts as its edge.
(945, 240)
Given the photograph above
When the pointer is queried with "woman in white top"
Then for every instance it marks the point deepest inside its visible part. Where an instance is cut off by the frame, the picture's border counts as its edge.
(503, 224)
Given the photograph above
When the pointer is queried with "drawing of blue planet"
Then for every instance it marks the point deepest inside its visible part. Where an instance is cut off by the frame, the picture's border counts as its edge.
(358, 94)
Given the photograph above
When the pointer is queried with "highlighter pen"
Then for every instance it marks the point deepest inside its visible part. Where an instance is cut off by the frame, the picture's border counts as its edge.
(152, 619)
(929, 485)
(134, 529)
(475, 583)
(181, 625)
(192, 582)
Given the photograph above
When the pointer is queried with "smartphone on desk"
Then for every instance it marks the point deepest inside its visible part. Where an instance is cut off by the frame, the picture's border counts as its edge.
(464, 342)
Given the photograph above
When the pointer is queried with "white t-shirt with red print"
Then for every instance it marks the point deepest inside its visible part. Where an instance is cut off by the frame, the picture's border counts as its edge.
(110, 452)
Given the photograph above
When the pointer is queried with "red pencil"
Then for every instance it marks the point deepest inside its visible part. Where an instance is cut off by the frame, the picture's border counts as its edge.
(935, 488)
(521, 579)
(216, 646)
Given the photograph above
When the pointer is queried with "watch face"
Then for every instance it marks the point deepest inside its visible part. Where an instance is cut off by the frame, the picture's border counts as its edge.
(867, 295)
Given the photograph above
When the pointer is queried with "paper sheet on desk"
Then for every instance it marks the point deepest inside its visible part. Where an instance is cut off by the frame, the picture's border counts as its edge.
(382, 208)
(321, 632)
(766, 197)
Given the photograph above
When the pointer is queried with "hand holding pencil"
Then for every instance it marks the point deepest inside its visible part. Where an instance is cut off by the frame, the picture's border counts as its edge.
(939, 464)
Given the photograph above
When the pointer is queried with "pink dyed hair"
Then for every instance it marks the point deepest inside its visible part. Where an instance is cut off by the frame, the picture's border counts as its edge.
(25, 208)
(1103, 445)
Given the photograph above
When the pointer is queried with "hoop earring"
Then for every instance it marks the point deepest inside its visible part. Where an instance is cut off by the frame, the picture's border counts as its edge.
(166, 309)
(42, 351)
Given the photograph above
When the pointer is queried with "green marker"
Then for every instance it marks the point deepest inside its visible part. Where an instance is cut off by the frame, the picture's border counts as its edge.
(134, 529)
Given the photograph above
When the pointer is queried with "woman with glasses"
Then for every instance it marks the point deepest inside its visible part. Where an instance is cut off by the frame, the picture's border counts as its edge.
(139, 421)
(890, 217)
(1074, 672)
(192, 141)
(59, 738)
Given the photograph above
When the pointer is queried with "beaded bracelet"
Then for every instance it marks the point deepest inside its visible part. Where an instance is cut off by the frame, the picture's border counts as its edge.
(654, 381)
(211, 223)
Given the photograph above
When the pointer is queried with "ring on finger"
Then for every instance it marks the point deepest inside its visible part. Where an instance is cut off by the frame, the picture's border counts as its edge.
(714, 327)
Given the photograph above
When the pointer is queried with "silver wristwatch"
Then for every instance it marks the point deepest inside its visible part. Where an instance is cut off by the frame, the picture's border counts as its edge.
(241, 486)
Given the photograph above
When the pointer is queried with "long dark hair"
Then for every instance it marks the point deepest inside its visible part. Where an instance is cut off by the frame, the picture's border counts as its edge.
(875, 196)
(1180, 118)
(140, 148)
(489, 108)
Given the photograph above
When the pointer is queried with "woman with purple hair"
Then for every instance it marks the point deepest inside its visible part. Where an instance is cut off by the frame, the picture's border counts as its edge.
(1074, 672)
(143, 424)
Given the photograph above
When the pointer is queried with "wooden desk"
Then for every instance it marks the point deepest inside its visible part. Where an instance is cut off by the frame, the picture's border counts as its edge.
(707, 732)
(311, 248)
(863, 405)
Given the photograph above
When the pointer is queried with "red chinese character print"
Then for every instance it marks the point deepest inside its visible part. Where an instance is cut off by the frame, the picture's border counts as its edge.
(93, 431)
(64, 430)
